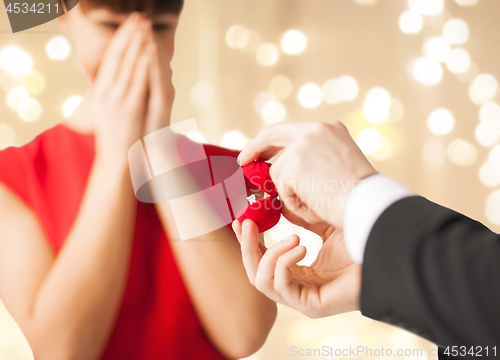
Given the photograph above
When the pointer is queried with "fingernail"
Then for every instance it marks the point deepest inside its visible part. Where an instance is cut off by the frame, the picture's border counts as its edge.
(238, 161)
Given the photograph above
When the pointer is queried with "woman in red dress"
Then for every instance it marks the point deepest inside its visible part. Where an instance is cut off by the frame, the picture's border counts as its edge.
(86, 270)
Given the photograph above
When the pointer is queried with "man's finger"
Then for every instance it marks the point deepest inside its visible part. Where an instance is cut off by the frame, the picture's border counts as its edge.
(270, 140)
(283, 282)
(264, 280)
(319, 228)
(293, 204)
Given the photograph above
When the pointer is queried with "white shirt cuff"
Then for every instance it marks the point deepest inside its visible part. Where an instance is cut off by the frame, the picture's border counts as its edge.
(365, 203)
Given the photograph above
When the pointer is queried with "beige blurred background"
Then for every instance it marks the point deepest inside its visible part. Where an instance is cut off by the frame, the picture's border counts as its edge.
(414, 81)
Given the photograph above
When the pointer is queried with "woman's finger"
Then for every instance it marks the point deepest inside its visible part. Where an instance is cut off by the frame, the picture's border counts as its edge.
(237, 229)
(131, 57)
(250, 253)
(108, 69)
(156, 72)
(264, 279)
(139, 83)
(158, 101)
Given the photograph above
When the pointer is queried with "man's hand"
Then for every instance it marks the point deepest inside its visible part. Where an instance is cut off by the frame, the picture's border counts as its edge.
(330, 286)
(319, 167)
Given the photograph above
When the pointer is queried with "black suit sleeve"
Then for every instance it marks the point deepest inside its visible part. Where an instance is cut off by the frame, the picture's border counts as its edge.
(434, 272)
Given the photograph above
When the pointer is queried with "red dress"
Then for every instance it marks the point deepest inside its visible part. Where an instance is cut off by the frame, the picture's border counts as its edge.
(156, 319)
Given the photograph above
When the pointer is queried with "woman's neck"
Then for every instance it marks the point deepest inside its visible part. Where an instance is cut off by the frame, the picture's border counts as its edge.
(79, 122)
(79, 127)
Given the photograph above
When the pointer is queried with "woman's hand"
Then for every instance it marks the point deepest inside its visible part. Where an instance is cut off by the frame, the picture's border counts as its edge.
(117, 99)
(330, 286)
(161, 89)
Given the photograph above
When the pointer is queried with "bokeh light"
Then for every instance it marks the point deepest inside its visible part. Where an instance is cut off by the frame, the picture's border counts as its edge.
(69, 106)
(293, 42)
(441, 121)
(261, 99)
(427, 7)
(202, 94)
(346, 88)
(310, 95)
(492, 210)
(58, 48)
(427, 71)
(437, 48)
(15, 61)
(35, 83)
(484, 87)
(489, 174)
(456, 31)
(490, 111)
(15, 96)
(377, 105)
(29, 110)
(494, 155)
(461, 152)
(267, 54)
(197, 136)
(486, 133)
(234, 140)
(411, 22)
(369, 141)
(237, 37)
(329, 93)
(281, 87)
(458, 61)
(273, 112)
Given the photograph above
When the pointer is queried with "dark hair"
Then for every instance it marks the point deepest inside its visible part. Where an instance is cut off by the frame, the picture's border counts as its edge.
(128, 6)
